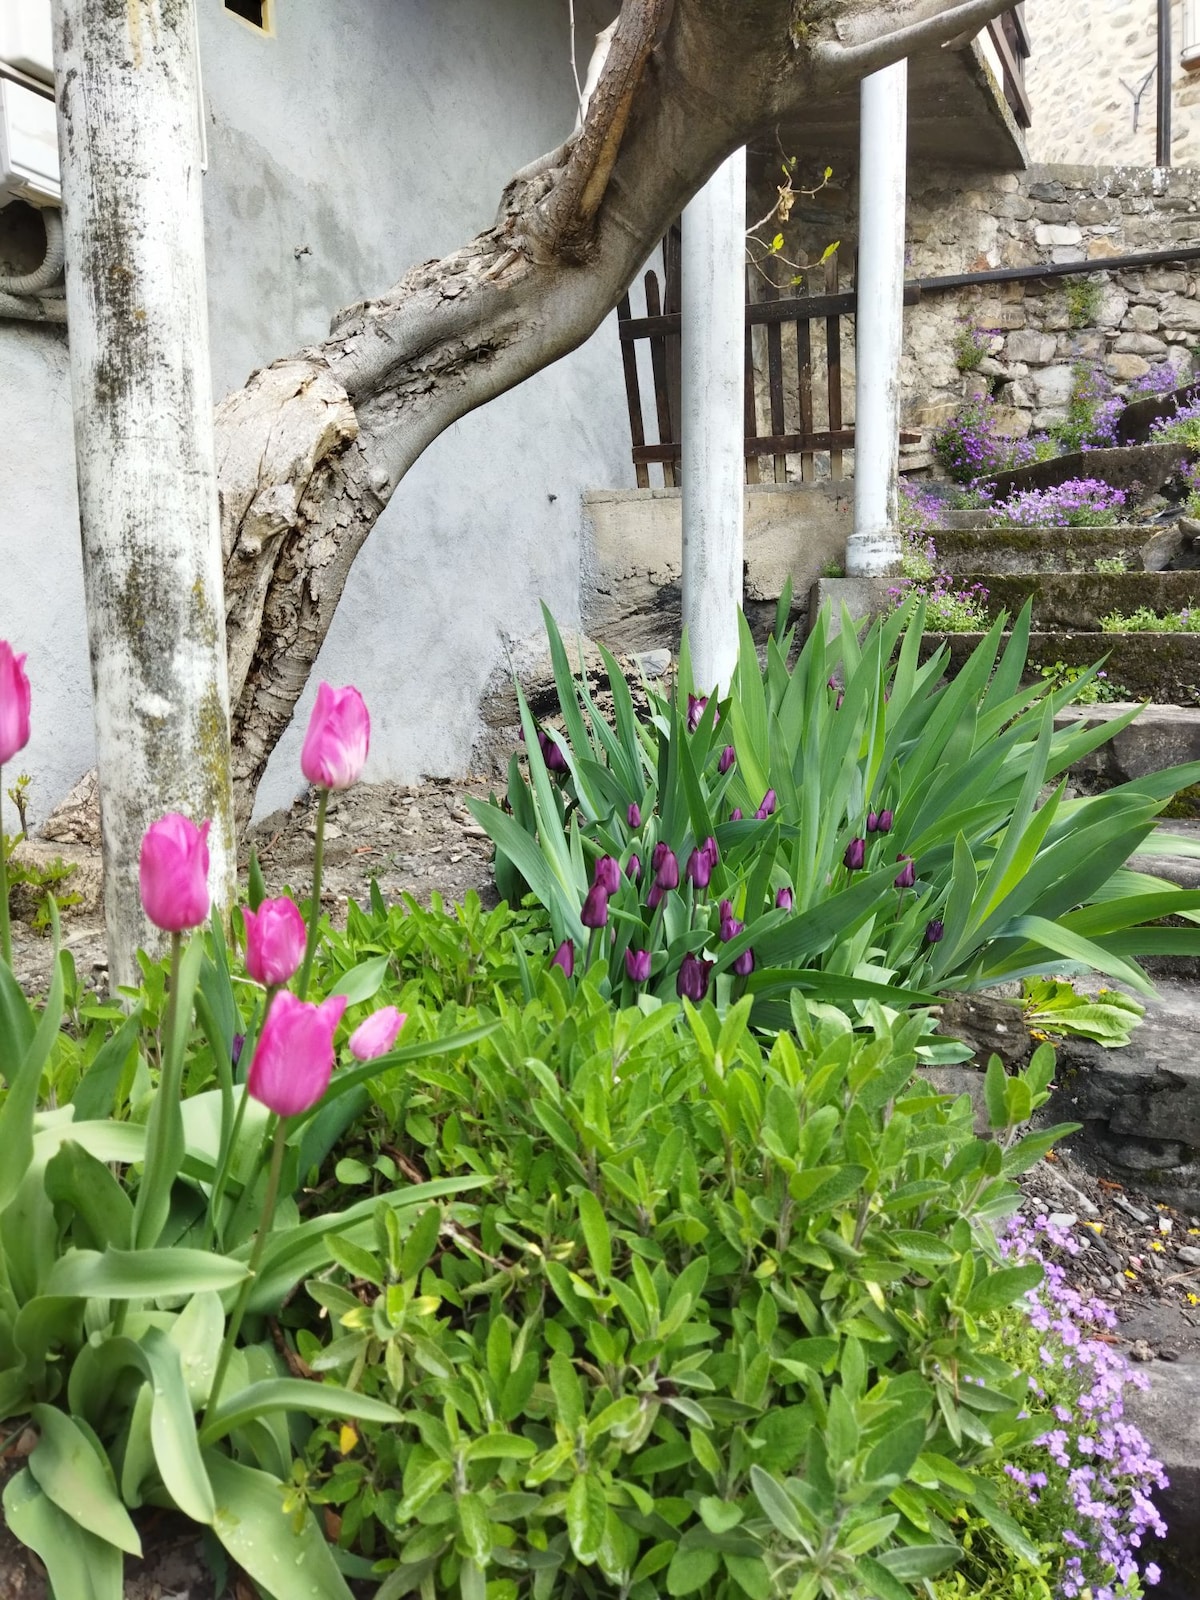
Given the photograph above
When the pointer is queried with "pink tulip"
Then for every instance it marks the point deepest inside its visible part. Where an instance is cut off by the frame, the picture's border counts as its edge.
(377, 1035)
(338, 737)
(294, 1059)
(14, 703)
(173, 873)
(275, 935)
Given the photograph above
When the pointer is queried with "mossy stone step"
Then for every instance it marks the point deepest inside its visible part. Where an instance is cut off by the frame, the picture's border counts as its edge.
(1016, 550)
(1163, 667)
(1078, 600)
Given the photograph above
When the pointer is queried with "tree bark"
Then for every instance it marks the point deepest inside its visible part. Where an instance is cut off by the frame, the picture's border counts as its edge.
(311, 450)
(142, 393)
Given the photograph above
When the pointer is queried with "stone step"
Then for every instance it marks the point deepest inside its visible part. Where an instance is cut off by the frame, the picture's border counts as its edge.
(1161, 736)
(1078, 600)
(1168, 1413)
(969, 545)
(1140, 470)
(1163, 667)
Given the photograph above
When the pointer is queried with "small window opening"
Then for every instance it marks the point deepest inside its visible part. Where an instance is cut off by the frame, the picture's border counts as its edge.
(251, 11)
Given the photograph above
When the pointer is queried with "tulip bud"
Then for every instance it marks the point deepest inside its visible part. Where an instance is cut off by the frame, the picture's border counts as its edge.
(633, 869)
(293, 1060)
(692, 980)
(872, 821)
(742, 966)
(785, 899)
(338, 737)
(552, 754)
(275, 936)
(695, 710)
(564, 957)
(856, 854)
(698, 869)
(725, 909)
(607, 874)
(637, 965)
(659, 855)
(14, 703)
(736, 814)
(907, 875)
(934, 930)
(595, 908)
(728, 757)
(768, 805)
(730, 928)
(667, 876)
(173, 873)
(711, 851)
(654, 896)
(885, 821)
(840, 701)
(634, 816)
(377, 1034)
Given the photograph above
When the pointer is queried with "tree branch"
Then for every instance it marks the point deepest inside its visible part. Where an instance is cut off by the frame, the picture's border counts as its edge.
(884, 50)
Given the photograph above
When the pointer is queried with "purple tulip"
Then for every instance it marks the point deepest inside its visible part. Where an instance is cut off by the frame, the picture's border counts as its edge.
(654, 896)
(699, 869)
(634, 816)
(730, 928)
(907, 875)
(837, 704)
(725, 909)
(667, 876)
(743, 965)
(692, 981)
(872, 821)
(607, 874)
(235, 1054)
(728, 757)
(377, 1034)
(564, 957)
(710, 849)
(551, 754)
(934, 929)
(856, 854)
(637, 965)
(659, 855)
(696, 704)
(736, 814)
(595, 907)
(785, 899)
(337, 740)
(633, 869)
(768, 805)
(885, 821)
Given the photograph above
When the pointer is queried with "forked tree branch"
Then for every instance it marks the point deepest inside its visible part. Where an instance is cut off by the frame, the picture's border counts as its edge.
(872, 55)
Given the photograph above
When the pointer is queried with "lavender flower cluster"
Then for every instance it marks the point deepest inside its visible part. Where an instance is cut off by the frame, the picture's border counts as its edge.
(1079, 502)
(1096, 1473)
(1160, 379)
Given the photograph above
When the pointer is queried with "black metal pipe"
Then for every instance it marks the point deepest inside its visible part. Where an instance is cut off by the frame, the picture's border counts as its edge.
(1059, 269)
(1162, 157)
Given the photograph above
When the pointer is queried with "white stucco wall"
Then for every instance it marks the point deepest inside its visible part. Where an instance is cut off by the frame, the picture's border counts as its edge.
(355, 141)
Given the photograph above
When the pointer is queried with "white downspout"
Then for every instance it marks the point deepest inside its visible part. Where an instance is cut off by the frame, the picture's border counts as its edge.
(713, 302)
(874, 546)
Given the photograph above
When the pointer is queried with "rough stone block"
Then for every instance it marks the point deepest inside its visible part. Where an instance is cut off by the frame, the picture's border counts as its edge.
(1180, 312)
(1053, 385)
(1049, 234)
(1142, 319)
(1139, 344)
(1126, 368)
(1168, 1413)
(1027, 344)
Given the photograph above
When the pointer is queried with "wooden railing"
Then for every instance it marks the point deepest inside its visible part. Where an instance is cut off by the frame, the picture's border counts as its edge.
(1010, 35)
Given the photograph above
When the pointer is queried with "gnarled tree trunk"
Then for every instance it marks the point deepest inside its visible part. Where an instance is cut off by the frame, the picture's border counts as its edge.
(311, 450)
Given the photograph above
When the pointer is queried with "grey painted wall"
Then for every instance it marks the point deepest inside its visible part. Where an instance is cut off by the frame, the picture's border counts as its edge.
(358, 139)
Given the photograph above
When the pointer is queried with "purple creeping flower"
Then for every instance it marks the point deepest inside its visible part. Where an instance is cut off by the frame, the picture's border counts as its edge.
(1079, 502)
(634, 815)
(695, 710)
(784, 899)
(1160, 379)
(907, 875)
(856, 854)
(728, 757)
(767, 806)
(607, 874)
(692, 981)
(743, 965)
(637, 965)
(633, 869)
(564, 957)
(935, 930)
(595, 907)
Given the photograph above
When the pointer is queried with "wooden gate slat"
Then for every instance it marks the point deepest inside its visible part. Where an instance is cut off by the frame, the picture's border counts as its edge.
(662, 396)
(775, 380)
(633, 396)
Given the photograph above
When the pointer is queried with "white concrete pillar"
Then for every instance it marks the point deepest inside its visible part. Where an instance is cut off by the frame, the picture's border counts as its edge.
(874, 546)
(129, 145)
(713, 299)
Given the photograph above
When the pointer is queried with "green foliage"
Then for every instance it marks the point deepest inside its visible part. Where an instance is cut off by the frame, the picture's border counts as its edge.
(31, 887)
(1083, 297)
(704, 1331)
(1055, 1008)
(1092, 688)
(1020, 884)
(1145, 620)
(970, 346)
(1110, 566)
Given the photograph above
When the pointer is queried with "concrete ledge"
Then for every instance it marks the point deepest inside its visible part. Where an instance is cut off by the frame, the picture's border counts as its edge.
(863, 598)
(1161, 736)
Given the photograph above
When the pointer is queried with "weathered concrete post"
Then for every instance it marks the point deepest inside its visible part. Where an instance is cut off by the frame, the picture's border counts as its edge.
(874, 546)
(713, 303)
(129, 142)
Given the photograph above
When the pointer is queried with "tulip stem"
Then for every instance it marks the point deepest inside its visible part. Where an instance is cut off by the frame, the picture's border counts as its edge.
(314, 910)
(5, 930)
(278, 1147)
